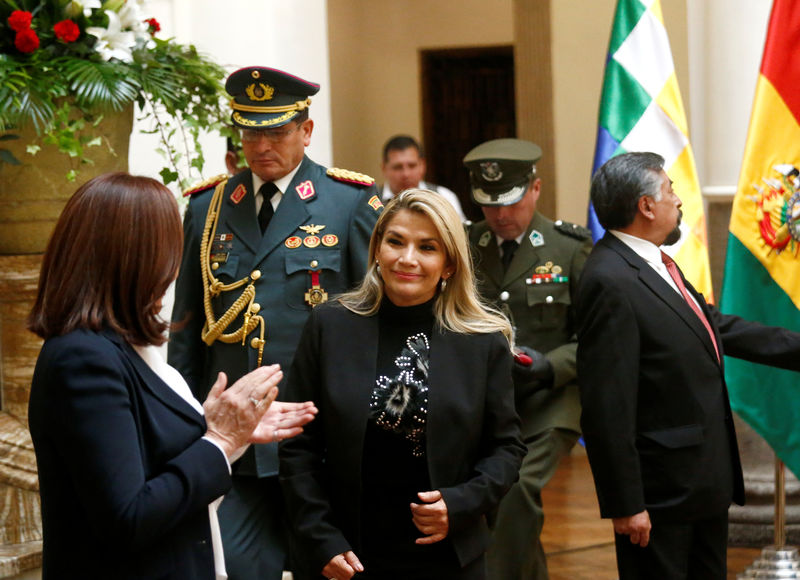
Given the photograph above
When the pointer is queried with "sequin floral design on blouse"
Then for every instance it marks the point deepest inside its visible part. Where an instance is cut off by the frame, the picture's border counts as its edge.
(400, 404)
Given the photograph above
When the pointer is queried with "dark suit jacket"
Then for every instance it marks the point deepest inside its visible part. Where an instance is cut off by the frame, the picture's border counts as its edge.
(125, 478)
(472, 437)
(656, 417)
(343, 209)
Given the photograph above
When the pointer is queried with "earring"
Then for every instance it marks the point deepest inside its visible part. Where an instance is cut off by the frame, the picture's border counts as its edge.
(444, 284)
(378, 266)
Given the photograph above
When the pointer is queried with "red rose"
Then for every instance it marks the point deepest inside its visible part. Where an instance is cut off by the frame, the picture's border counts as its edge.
(153, 26)
(26, 41)
(20, 20)
(67, 30)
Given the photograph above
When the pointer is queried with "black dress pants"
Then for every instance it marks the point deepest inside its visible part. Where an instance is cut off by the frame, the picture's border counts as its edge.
(677, 551)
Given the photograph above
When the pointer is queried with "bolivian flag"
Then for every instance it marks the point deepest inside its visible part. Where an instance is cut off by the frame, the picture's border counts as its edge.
(641, 110)
(762, 267)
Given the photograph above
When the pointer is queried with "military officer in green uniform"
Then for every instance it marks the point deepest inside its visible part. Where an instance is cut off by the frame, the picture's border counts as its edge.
(528, 266)
(261, 249)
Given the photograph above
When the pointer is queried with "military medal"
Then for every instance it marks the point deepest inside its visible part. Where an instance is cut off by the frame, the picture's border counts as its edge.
(315, 295)
(311, 241)
(329, 240)
(548, 273)
(293, 242)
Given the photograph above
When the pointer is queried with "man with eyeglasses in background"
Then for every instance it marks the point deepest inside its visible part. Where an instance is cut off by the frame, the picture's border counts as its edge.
(261, 249)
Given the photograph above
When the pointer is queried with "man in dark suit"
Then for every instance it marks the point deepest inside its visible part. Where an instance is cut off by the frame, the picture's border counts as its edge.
(260, 250)
(528, 266)
(656, 417)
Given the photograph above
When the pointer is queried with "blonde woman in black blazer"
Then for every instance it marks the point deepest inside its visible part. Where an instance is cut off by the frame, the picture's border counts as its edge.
(417, 438)
(129, 462)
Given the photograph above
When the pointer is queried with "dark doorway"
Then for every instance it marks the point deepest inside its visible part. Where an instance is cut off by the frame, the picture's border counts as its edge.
(467, 98)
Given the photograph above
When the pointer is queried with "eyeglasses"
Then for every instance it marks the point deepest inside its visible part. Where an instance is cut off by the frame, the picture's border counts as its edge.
(271, 135)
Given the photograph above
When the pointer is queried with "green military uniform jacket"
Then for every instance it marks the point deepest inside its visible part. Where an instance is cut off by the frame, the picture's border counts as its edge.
(541, 313)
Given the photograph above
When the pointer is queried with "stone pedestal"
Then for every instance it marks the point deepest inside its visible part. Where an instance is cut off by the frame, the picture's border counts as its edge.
(752, 525)
(20, 528)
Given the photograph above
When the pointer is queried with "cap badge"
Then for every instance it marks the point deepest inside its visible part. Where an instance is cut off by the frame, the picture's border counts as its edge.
(256, 74)
(259, 92)
(490, 171)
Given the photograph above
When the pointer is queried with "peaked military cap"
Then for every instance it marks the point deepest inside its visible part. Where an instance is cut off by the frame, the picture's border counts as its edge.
(500, 170)
(267, 97)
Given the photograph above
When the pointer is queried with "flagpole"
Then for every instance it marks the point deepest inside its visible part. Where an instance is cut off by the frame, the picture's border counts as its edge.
(780, 504)
(778, 560)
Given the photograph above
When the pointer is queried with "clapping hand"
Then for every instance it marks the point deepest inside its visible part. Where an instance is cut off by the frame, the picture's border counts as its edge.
(283, 421)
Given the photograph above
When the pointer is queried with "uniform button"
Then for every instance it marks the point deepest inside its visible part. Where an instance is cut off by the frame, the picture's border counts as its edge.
(215, 266)
(314, 263)
(255, 274)
(255, 307)
(549, 299)
(504, 296)
(559, 222)
(256, 342)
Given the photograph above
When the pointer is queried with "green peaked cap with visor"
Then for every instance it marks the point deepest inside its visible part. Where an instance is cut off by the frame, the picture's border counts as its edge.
(500, 170)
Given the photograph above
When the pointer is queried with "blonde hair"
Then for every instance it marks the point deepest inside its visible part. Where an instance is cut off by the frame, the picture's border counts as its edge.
(457, 308)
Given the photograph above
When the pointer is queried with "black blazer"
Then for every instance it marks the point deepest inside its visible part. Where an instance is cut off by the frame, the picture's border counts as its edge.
(656, 416)
(125, 478)
(472, 439)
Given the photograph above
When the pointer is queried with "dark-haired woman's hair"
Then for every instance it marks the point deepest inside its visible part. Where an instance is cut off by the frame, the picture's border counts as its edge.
(114, 252)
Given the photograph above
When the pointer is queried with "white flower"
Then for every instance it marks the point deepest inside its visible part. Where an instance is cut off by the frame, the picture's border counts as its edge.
(75, 7)
(131, 17)
(113, 42)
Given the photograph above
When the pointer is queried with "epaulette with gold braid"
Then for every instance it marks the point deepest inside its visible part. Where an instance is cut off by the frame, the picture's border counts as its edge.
(205, 184)
(347, 176)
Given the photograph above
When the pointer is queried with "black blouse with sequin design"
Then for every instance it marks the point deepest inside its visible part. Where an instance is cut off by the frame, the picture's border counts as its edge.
(394, 463)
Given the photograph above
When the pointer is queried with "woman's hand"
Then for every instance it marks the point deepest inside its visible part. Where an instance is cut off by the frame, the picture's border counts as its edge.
(232, 414)
(342, 567)
(431, 517)
(283, 421)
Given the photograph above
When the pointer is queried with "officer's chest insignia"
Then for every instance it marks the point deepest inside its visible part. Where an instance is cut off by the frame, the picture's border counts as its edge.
(223, 238)
(311, 229)
(311, 241)
(536, 238)
(485, 238)
(305, 190)
(375, 202)
(330, 240)
(221, 246)
(293, 242)
(547, 273)
(238, 194)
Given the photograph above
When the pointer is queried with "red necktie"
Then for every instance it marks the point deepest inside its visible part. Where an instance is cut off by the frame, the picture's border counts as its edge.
(672, 268)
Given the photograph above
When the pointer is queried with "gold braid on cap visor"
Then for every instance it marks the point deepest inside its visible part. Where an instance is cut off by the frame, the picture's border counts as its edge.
(296, 106)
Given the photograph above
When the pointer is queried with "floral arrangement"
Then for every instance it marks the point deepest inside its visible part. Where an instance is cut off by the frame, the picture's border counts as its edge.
(64, 64)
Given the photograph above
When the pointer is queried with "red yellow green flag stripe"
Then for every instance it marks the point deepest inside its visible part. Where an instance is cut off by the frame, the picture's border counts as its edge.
(762, 266)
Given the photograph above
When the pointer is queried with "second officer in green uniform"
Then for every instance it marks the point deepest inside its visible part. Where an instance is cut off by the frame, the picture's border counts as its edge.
(528, 266)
